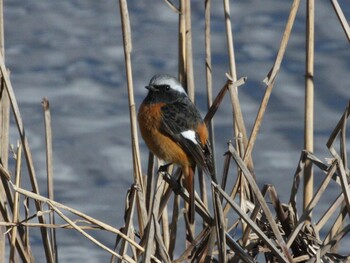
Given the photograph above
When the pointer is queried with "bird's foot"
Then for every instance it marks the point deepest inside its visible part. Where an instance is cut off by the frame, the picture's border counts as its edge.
(164, 168)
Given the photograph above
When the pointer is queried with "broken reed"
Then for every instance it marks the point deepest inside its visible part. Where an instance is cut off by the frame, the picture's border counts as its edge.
(230, 231)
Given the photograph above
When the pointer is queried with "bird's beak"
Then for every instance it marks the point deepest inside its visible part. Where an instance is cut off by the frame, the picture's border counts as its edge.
(150, 88)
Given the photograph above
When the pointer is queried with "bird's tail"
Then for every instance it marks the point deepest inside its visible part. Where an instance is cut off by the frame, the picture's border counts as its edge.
(189, 184)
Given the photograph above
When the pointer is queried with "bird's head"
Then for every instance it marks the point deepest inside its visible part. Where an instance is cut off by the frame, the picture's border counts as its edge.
(164, 88)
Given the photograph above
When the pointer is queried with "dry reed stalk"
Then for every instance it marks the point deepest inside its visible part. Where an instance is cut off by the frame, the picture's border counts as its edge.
(23, 251)
(208, 73)
(127, 43)
(220, 226)
(309, 101)
(56, 206)
(182, 44)
(27, 154)
(238, 117)
(49, 171)
(190, 251)
(254, 227)
(189, 57)
(331, 209)
(150, 179)
(15, 216)
(342, 18)
(259, 198)
(81, 231)
(128, 228)
(270, 79)
(4, 130)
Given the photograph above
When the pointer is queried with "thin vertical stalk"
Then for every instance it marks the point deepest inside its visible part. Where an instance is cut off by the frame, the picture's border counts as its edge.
(27, 154)
(4, 131)
(132, 111)
(309, 101)
(270, 79)
(15, 217)
(209, 77)
(182, 44)
(189, 56)
(238, 117)
(49, 170)
(342, 18)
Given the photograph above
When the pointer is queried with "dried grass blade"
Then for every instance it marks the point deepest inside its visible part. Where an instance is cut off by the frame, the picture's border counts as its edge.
(312, 204)
(49, 170)
(259, 197)
(15, 217)
(192, 248)
(342, 18)
(337, 225)
(270, 79)
(90, 219)
(220, 226)
(200, 209)
(344, 184)
(238, 122)
(253, 226)
(128, 221)
(27, 153)
(92, 239)
(337, 129)
(326, 247)
(132, 111)
(150, 179)
(161, 248)
(323, 220)
(208, 74)
(173, 226)
(240, 253)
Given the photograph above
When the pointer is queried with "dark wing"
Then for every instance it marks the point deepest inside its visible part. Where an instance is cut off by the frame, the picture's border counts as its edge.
(183, 116)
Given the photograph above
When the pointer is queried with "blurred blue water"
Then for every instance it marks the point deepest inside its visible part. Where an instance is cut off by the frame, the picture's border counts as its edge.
(71, 52)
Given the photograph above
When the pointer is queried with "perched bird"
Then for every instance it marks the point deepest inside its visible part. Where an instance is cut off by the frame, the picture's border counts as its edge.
(174, 131)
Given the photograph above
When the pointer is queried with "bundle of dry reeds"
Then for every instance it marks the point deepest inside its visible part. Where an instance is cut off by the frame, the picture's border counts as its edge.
(234, 222)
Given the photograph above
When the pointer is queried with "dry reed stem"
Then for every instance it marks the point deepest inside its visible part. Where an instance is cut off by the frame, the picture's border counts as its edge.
(172, 6)
(27, 154)
(81, 231)
(270, 79)
(127, 43)
(238, 117)
(24, 252)
(304, 218)
(49, 170)
(15, 216)
(128, 221)
(4, 128)
(90, 219)
(342, 18)
(208, 74)
(193, 247)
(309, 102)
(182, 45)
(258, 195)
(220, 226)
(188, 51)
(254, 227)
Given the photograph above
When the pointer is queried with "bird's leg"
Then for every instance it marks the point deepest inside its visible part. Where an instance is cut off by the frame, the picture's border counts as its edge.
(164, 168)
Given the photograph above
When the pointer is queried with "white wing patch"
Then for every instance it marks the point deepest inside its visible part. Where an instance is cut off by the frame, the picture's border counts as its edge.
(190, 135)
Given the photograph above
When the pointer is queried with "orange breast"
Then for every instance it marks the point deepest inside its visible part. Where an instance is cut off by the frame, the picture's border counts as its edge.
(149, 118)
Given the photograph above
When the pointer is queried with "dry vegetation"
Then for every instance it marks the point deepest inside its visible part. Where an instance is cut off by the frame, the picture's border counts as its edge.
(235, 223)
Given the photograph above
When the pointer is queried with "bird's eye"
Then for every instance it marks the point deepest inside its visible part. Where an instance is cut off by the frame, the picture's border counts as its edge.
(167, 87)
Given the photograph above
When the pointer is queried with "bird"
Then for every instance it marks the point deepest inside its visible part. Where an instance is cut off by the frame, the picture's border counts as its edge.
(174, 131)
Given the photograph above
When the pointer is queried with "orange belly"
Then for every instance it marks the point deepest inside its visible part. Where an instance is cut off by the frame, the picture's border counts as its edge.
(160, 144)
